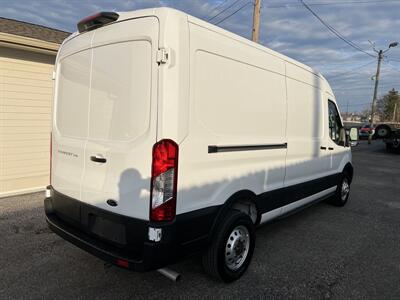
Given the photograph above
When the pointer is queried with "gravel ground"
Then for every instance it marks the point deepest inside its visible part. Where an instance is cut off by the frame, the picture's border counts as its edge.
(321, 252)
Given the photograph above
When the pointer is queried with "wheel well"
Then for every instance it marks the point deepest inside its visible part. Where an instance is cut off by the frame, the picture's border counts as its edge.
(242, 201)
(248, 207)
(348, 169)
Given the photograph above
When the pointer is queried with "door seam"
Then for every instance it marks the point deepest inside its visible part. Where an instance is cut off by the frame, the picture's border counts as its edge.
(88, 117)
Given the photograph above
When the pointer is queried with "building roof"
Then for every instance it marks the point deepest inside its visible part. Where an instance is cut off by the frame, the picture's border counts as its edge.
(32, 31)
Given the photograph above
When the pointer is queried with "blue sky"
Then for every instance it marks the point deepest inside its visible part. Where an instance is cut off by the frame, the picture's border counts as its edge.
(286, 27)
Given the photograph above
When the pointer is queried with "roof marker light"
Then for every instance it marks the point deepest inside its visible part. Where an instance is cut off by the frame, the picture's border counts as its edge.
(96, 21)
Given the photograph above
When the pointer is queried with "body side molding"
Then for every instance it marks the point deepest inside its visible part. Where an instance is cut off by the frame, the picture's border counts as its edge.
(215, 148)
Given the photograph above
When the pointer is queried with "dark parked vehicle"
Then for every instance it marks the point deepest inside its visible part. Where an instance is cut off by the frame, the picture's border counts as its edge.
(390, 133)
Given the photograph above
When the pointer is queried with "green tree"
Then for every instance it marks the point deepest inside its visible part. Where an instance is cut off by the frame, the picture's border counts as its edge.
(386, 105)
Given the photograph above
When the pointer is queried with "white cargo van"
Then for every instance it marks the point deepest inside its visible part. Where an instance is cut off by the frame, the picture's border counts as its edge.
(172, 136)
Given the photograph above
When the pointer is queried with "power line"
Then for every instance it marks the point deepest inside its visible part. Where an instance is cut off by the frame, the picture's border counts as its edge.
(364, 87)
(355, 104)
(331, 3)
(236, 11)
(222, 11)
(351, 70)
(391, 66)
(334, 31)
(219, 6)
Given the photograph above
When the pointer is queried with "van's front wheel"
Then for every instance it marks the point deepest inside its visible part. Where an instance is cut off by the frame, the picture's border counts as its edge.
(231, 251)
(342, 192)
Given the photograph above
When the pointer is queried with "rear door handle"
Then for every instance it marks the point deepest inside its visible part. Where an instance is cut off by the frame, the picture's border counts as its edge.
(98, 159)
(323, 148)
(330, 148)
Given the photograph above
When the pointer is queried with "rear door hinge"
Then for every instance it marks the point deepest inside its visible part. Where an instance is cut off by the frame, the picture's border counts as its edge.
(163, 55)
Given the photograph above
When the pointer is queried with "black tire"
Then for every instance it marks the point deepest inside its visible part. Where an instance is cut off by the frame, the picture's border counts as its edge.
(396, 144)
(214, 259)
(382, 131)
(340, 198)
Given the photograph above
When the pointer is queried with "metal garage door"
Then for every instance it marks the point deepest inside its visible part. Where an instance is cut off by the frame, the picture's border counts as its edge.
(26, 89)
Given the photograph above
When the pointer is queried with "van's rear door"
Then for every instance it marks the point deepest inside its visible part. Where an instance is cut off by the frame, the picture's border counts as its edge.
(122, 117)
(121, 122)
(70, 126)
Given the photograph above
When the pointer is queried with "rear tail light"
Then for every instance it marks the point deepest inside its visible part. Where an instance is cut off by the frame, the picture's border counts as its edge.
(96, 21)
(164, 176)
(123, 263)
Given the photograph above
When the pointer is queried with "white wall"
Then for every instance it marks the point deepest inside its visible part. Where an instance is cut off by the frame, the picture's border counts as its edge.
(26, 91)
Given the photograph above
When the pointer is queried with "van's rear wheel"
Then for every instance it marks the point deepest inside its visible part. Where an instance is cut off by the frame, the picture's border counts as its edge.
(342, 192)
(231, 251)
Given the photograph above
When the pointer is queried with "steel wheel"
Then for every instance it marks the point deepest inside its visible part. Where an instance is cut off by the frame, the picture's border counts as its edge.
(342, 192)
(232, 247)
(237, 247)
(345, 190)
(383, 132)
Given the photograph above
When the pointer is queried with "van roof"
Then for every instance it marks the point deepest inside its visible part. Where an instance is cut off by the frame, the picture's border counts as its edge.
(164, 12)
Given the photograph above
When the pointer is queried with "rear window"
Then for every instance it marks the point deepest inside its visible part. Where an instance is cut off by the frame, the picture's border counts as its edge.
(120, 95)
(115, 103)
(73, 94)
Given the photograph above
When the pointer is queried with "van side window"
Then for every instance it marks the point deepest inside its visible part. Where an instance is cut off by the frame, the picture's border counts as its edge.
(335, 124)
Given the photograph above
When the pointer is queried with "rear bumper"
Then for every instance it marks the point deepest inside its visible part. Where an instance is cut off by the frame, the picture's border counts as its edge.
(97, 248)
(122, 240)
(132, 252)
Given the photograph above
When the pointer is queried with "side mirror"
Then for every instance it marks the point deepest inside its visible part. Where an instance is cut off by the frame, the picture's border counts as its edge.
(353, 136)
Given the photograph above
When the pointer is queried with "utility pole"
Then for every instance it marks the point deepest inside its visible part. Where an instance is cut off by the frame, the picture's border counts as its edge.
(378, 71)
(395, 113)
(256, 21)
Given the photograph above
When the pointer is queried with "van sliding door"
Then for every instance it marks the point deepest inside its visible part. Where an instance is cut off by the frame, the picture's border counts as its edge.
(307, 160)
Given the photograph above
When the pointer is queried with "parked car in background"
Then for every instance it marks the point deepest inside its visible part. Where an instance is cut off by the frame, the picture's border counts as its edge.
(364, 131)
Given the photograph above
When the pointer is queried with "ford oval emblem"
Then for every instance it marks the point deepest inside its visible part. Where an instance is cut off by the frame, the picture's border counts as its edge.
(112, 202)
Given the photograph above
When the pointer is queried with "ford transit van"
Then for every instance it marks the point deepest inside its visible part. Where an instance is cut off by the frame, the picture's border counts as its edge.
(172, 136)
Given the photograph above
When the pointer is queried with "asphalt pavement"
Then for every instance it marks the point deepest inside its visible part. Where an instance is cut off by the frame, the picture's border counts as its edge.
(321, 252)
